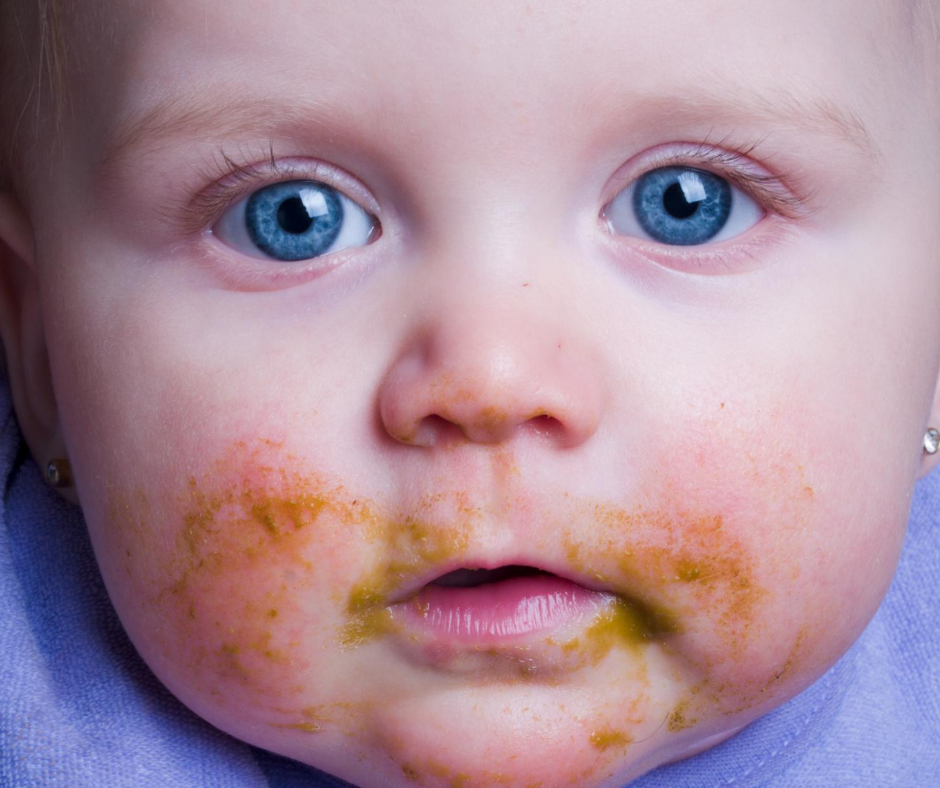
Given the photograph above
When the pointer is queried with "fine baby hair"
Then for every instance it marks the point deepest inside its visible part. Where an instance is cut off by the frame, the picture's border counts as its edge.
(529, 394)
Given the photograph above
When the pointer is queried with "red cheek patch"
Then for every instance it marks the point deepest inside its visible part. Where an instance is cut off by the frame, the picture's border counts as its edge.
(230, 568)
(256, 566)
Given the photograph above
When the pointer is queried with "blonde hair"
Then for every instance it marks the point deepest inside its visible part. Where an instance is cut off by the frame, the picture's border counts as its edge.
(33, 72)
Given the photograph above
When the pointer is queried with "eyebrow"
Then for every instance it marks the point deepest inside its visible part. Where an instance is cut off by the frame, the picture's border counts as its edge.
(775, 105)
(220, 114)
(211, 115)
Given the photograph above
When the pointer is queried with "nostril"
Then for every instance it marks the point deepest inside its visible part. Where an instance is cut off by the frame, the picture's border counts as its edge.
(434, 428)
(544, 425)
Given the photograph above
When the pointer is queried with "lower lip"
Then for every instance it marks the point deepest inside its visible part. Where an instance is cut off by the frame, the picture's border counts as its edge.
(501, 612)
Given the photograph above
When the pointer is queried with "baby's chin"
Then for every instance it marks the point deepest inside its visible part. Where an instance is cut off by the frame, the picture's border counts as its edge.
(494, 735)
(518, 736)
(397, 720)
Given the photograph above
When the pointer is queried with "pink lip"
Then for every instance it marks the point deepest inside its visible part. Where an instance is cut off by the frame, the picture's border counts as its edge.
(499, 612)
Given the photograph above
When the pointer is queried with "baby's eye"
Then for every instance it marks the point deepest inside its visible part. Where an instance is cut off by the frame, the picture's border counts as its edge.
(295, 220)
(682, 206)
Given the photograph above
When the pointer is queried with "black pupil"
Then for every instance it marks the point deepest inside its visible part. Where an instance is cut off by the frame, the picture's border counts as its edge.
(293, 217)
(674, 201)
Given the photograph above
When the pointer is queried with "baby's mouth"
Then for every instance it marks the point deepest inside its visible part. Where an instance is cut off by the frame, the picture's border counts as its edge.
(503, 605)
(471, 578)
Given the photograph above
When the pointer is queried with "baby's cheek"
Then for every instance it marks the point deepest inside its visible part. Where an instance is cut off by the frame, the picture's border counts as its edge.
(227, 581)
(757, 565)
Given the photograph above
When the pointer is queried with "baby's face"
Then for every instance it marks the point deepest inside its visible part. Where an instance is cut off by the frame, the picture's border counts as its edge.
(631, 304)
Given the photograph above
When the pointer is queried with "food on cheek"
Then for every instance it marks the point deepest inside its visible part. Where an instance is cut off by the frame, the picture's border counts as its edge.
(231, 582)
(605, 739)
(689, 561)
(715, 595)
(246, 587)
(259, 572)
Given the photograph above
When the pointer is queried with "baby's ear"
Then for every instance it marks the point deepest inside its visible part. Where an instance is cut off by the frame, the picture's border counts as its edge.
(24, 340)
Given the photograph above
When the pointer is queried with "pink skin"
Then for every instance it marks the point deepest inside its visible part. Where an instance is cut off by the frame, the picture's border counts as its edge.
(268, 454)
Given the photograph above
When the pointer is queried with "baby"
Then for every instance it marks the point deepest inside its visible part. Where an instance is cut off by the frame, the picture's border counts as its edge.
(478, 394)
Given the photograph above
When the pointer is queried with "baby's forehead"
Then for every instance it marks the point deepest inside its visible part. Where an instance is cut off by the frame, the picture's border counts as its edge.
(515, 66)
(668, 25)
(411, 47)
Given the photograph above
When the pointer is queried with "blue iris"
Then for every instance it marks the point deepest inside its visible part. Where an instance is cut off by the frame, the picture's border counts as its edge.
(681, 205)
(295, 220)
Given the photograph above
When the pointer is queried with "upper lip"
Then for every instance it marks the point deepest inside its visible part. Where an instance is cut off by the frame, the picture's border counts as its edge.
(413, 585)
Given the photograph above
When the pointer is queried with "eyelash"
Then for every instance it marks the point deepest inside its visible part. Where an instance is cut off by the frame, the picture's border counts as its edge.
(231, 180)
(734, 165)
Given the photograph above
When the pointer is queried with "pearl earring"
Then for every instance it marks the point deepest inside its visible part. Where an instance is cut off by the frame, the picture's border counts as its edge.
(932, 441)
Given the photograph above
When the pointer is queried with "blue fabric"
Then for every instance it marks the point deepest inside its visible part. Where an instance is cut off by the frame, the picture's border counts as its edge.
(79, 709)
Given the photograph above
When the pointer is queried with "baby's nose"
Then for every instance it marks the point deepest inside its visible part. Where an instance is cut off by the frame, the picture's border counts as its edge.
(487, 377)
